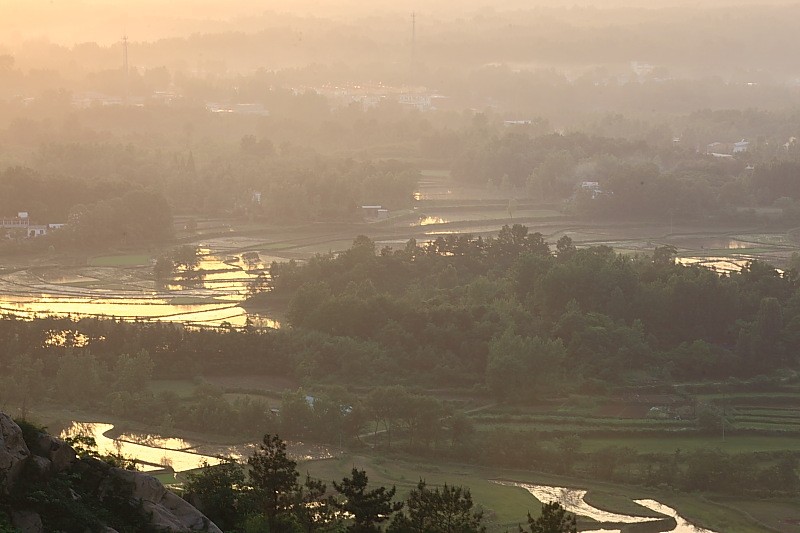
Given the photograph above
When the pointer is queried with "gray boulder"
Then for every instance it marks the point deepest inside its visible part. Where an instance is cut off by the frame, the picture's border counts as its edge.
(13, 452)
(59, 452)
(27, 522)
(169, 511)
(40, 468)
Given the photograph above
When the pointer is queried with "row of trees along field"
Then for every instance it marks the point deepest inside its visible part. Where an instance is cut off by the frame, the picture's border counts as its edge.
(269, 496)
(101, 210)
(474, 312)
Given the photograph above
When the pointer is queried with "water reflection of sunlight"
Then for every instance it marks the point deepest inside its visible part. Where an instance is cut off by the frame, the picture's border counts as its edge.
(720, 264)
(429, 220)
(573, 501)
(66, 339)
(151, 456)
(211, 300)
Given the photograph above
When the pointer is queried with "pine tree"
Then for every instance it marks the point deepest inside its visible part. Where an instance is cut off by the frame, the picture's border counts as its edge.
(368, 508)
(274, 477)
(449, 510)
(554, 519)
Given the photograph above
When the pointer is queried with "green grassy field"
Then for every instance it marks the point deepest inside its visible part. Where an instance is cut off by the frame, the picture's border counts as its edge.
(506, 507)
(781, 515)
(667, 443)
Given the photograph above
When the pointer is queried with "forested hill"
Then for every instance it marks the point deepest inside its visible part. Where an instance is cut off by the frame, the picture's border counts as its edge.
(526, 319)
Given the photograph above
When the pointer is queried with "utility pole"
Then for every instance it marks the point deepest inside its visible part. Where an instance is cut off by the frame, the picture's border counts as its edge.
(125, 64)
(413, 39)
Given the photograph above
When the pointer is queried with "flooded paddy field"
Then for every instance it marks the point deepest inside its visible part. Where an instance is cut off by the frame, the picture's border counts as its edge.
(212, 298)
(123, 286)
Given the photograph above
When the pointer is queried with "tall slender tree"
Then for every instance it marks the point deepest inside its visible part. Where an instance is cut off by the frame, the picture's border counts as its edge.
(274, 477)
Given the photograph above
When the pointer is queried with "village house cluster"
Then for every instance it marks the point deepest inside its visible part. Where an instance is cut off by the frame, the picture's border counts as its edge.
(21, 226)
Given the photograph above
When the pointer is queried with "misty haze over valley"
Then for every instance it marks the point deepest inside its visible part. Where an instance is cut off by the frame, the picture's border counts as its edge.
(471, 266)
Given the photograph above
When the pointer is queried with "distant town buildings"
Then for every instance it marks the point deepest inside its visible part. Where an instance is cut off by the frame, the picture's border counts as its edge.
(373, 95)
(374, 212)
(238, 109)
(21, 226)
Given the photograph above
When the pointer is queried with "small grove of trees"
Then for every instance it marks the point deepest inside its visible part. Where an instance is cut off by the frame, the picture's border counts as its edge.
(554, 519)
(445, 510)
(270, 498)
(186, 258)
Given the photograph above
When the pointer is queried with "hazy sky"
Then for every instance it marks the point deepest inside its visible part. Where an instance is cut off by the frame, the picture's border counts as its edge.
(104, 21)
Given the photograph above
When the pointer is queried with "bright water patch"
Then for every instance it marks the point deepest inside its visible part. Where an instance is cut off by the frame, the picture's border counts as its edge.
(573, 501)
(151, 456)
(131, 294)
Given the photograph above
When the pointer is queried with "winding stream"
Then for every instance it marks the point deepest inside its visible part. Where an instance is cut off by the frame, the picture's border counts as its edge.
(155, 454)
(573, 501)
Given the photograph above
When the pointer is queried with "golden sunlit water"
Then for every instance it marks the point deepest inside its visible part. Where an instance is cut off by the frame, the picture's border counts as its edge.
(211, 298)
(154, 455)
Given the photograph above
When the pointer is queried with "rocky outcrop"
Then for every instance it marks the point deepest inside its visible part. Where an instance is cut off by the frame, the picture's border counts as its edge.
(48, 456)
(59, 453)
(169, 511)
(13, 453)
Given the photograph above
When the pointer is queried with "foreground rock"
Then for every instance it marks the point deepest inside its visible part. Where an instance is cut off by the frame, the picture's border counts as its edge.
(82, 492)
(13, 453)
(169, 511)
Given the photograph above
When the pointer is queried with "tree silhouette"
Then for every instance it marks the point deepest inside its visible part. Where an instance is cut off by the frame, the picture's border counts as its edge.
(554, 519)
(274, 477)
(368, 507)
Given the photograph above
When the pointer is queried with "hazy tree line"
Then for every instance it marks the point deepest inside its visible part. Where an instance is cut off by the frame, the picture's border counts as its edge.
(634, 180)
(466, 311)
(117, 196)
(82, 163)
(308, 119)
